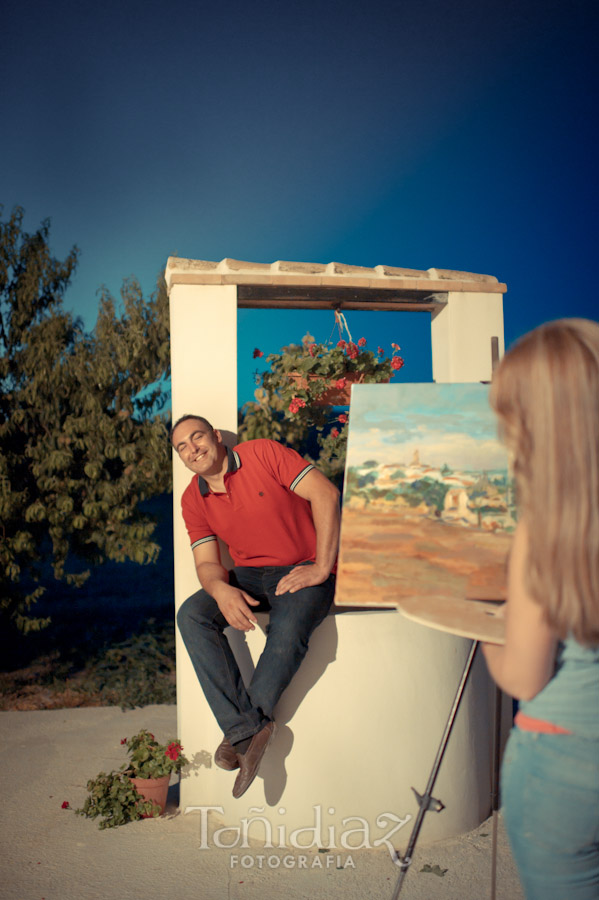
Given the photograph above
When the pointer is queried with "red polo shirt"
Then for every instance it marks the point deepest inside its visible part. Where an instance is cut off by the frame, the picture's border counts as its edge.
(259, 517)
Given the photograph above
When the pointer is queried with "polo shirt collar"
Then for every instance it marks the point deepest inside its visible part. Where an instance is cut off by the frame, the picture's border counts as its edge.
(233, 464)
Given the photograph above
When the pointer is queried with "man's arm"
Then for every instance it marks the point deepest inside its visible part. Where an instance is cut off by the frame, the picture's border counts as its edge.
(214, 578)
(524, 665)
(324, 501)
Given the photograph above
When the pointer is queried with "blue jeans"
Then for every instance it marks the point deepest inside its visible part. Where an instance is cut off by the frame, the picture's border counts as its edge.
(241, 712)
(550, 795)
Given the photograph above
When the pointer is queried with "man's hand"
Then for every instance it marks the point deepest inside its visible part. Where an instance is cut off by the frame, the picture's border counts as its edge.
(301, 577)
(233, 604)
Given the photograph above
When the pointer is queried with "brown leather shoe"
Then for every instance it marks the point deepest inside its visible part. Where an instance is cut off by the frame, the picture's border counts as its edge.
(225, 756)
(249, 762)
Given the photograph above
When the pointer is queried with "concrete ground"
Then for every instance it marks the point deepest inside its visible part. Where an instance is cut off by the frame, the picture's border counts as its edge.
(50, 853)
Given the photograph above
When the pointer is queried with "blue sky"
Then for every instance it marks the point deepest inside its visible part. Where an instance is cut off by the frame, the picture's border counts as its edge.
(418, 133)
(446, 423)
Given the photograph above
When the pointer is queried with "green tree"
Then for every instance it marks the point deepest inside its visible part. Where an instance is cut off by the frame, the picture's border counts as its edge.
(83, 440)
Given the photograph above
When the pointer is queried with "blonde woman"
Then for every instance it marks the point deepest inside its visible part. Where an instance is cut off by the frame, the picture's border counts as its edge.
(546, 396)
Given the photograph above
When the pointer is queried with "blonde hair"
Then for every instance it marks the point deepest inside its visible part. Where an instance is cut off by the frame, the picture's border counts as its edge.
(546, 395)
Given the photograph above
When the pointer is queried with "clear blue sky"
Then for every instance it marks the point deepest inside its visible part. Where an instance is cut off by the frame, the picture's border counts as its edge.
(412, 133)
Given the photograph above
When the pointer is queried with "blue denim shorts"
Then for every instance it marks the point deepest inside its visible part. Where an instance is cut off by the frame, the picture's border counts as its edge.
(550, 799)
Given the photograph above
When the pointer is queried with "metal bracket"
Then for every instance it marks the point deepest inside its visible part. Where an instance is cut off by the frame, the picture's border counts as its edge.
(432, 805)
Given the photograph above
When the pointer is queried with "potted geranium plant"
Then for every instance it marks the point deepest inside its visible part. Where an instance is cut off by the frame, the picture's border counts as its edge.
(295, 400)
(139, 788)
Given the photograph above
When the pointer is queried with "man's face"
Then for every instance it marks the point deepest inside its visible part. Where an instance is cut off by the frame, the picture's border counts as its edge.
(201, 449)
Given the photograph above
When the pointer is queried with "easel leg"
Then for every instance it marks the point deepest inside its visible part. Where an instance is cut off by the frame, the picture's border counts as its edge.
(427, 802)
(495, 786)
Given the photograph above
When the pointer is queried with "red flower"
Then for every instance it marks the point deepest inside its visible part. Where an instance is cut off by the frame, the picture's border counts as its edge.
(342, 345)
(397, 362)
(352, 351)
(396, 346)
(65, 805)
(124, 741)
(258, 353)
(312, 349)
(341, 384)
(362, 342)
(342, 418)
(335, 433)
(296, 404)
(380, 351)
(173, 751)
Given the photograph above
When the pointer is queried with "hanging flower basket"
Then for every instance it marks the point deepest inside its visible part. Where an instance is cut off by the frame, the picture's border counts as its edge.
(338, 392)
(294, 402)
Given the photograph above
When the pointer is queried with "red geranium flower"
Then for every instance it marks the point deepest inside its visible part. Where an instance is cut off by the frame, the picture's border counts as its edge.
(335, 433)
(312, 350)
(296, 404)
(342, 345)
(258, 353)
(124, 741)
(65, 804)
(362, 342)
(380, 351)
(342, 418)
(397, 362)
(173, 751)
(352, 351)
(341, 384)
(396, 346)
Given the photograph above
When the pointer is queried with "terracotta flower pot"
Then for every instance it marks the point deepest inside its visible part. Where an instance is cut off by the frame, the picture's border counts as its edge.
(332, 396)
(154, 789)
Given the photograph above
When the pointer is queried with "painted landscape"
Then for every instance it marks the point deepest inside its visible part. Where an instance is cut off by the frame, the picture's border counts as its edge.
(428, 507)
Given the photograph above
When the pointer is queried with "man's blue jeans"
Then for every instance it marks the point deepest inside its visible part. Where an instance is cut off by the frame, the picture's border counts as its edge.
(550, 798)
(242, 712)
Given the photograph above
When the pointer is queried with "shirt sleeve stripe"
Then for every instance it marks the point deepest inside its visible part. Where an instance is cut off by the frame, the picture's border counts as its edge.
(204, 540)
(299, 477)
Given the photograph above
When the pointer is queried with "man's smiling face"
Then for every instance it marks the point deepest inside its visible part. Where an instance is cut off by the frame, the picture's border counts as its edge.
(199, 447)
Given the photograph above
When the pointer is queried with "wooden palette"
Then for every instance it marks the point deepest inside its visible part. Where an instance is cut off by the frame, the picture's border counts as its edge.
(480, 620)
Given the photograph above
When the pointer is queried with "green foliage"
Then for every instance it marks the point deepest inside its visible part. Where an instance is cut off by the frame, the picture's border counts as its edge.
(113, 797)
(149, 759)
(425, 490)
(82, 439)
(136, 672)
(293, 402)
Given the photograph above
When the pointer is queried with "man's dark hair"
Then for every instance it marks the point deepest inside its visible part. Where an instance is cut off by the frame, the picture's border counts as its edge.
(190, 416)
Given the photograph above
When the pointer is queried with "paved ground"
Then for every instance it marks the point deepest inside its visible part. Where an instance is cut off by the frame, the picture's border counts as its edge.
(49, 853)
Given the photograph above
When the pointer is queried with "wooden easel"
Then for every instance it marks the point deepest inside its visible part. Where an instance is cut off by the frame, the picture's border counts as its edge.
(480, 620)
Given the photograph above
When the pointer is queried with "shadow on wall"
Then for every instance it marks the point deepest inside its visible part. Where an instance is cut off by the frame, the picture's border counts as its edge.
(322, 651)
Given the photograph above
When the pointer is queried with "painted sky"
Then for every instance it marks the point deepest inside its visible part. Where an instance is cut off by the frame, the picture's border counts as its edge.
(448, 424)
(415, 133)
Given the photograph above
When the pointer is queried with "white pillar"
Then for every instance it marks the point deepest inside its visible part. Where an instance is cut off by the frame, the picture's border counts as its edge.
(461, 335)
(204, 381)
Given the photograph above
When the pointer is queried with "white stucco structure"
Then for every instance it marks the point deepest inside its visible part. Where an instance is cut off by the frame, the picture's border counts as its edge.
(360, 723)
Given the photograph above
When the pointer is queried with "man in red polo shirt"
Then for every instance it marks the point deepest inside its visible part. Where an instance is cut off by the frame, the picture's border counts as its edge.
(279, 517)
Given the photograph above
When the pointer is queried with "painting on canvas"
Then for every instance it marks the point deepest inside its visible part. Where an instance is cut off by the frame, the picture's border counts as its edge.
(428, 503)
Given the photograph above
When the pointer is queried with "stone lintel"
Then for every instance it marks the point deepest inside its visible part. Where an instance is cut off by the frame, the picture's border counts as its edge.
(379, 278)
